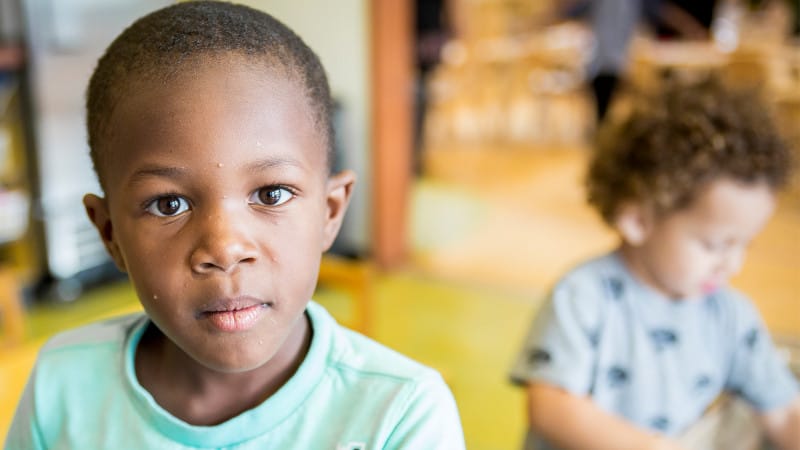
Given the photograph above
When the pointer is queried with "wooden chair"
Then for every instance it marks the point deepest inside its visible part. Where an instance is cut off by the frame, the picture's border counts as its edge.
(355, 277)
(11, 310)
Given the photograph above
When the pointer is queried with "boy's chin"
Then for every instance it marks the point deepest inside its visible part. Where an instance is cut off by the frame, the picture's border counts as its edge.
(249, 353)
(696, 293)
(236, 366)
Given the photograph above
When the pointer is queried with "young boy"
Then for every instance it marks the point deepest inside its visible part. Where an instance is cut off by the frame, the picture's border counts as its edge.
(210, 130)
(632, 347)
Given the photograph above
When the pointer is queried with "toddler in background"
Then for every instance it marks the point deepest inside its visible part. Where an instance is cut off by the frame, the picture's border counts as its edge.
(210, 131)
(632, 347)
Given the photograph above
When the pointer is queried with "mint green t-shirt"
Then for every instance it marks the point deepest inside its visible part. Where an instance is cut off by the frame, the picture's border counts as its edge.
(349, 393)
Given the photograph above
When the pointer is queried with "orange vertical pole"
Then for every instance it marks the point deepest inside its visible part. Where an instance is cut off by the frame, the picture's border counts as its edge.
(392, 138)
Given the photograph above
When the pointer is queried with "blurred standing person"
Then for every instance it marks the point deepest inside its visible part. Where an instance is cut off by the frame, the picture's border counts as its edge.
(432, 30)
(613, 23)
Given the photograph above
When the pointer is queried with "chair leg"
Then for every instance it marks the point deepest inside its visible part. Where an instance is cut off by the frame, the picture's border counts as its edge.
(356, 278)
(11, 310)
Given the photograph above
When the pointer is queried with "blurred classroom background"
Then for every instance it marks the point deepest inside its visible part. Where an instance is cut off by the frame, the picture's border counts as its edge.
(469, 123)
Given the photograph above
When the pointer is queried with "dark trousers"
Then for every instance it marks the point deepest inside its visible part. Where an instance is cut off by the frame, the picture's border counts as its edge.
(603, 86)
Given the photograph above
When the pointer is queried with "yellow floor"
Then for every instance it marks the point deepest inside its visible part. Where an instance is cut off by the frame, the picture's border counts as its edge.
(488, 239)
(451, 328)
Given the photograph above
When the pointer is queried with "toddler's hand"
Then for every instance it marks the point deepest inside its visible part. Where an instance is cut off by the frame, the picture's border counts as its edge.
(664, 443)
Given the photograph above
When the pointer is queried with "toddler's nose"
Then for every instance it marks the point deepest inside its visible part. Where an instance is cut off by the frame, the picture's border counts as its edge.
(732, 262)
(222, 245)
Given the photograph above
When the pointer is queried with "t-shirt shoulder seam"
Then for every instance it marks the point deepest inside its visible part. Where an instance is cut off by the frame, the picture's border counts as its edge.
(408, 392)
(421, 373)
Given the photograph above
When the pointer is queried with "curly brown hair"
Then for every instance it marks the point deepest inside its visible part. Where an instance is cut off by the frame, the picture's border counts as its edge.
(182, 37)
(680, 138)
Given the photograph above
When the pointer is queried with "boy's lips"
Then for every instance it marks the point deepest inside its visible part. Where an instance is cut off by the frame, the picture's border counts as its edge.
(234, 314)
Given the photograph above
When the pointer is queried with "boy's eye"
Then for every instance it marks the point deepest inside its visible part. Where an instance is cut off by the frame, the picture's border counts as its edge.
(167, 206)
(271, 196)
(716, 246)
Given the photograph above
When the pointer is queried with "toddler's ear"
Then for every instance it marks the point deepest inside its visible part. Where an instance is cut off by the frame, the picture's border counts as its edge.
(339, 189)
(633, 222)
(97, 210)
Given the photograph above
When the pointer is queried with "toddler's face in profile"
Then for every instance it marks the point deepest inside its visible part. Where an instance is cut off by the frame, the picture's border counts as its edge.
(219, 206)
(692, 251)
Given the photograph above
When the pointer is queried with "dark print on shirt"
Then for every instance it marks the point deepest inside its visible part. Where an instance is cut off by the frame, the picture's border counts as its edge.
(660, 423)
(663, 338)
(751, 338)
(712, 303)
(616, 288)
(538, 357)
(594, 337)
(702, 382)
(617, 376)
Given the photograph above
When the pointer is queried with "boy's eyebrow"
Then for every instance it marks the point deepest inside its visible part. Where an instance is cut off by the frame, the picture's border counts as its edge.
(157, 171)
(268, 163)
(179, 172)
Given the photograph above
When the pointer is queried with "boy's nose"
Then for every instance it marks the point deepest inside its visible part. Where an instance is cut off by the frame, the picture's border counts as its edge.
(222, 246)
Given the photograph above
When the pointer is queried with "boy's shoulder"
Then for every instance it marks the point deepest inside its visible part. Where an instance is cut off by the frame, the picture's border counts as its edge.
(598, 277)
(597, 267)
(362, 356)
(110, 331)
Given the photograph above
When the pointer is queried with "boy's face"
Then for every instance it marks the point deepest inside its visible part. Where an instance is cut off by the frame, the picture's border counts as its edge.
(219, 207)
(692, 251)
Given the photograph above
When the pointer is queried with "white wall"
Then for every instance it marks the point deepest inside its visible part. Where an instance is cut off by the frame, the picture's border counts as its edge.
(338, 31)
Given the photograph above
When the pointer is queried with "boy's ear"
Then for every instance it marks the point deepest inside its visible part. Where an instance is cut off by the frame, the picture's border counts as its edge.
(339, 189)
(633, 222)
(97, 210)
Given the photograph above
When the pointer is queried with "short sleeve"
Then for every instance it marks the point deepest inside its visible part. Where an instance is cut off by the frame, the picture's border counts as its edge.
(757, 372)
(560, 345)
(429, 419)
(24, 433)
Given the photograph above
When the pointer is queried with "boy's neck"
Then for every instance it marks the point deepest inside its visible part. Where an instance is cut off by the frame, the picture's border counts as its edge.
(200, 395)
(639, 271)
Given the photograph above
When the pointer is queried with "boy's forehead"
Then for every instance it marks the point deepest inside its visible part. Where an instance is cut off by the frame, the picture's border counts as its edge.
(169, 74)
(193, 81)
(207, 102)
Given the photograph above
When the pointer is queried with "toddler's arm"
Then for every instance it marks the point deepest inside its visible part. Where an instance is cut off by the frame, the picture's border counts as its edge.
(783, 426)
(570, 422)
(761, 376)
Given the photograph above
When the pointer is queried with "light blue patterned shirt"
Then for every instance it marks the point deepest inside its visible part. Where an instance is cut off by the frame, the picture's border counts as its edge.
(658, 363)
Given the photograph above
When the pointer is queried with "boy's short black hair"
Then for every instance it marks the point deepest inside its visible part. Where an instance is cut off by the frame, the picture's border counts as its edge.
(680, 138)
(158, 46)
